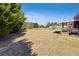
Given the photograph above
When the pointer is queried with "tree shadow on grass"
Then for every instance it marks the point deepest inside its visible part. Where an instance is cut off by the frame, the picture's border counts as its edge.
(9, 38)
(19, 48)
(20, 33)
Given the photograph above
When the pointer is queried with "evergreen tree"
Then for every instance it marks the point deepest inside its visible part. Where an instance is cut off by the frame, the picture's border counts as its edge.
(48, 24)
(35, 25)
(11, 18)
(41, 26)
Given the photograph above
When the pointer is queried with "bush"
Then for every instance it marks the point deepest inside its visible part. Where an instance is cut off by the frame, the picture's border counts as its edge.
(57, 31)
(35, 25)
(41, 26)
(11, 18)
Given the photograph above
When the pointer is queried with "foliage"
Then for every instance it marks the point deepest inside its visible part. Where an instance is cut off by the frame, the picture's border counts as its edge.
(11, 18)
(52, 24)
(48, 24)
(35, 25)
(41, 26)
(57, 31)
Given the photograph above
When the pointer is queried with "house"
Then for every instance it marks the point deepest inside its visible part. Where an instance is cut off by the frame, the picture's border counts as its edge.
(76, 21)
(71, 24)
(66, 24)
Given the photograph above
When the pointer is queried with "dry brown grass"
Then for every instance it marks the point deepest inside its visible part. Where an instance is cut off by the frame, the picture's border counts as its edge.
(45, 42)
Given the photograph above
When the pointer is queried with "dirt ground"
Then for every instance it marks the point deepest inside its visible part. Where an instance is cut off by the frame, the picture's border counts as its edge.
(40, 42)
(47, 43)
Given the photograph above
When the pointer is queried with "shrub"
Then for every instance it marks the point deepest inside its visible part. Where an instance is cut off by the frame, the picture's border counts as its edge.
(35, 25)
(11, 18)
(57, 31)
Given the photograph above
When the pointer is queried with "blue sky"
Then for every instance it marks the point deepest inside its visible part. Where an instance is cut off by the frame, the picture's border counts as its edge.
(43, 13)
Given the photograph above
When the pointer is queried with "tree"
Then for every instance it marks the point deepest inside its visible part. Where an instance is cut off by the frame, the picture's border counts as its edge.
(11, 18)
(48, 24)
(55, 23)
(41, 26)
(52, 23)
(35, 25)
(18, 17)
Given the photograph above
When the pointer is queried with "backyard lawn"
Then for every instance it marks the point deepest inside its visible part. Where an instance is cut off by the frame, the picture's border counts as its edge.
(45, 42)
(40, 41)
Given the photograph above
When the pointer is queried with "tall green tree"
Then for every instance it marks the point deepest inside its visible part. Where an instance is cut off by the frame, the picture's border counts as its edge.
(11, 18)
(48, 24)
(35, 25)
(41, 26)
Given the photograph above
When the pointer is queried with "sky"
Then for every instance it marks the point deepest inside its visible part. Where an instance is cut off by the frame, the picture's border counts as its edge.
(43, 13)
